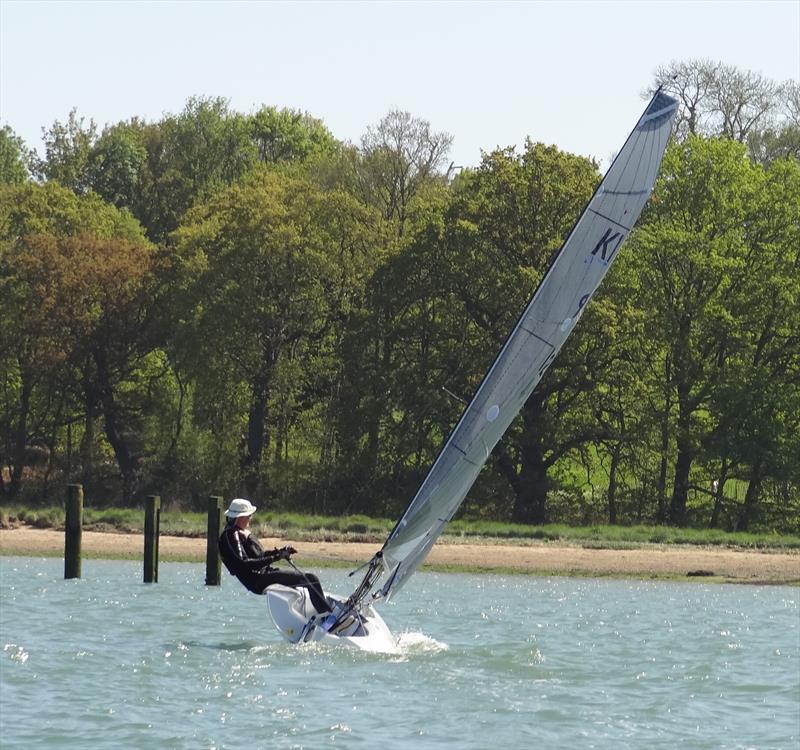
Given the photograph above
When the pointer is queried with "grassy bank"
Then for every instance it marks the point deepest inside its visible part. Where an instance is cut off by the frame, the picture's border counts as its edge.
(374, 530)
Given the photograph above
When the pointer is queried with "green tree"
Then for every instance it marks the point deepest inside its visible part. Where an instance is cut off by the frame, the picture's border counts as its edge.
(95, 297)
(208, 144)
(13, 157)
(781, 139)
(287, 135)
(775, 143)
(617, 405)
(117, 165)
(281, 266)
(159, 170)
(519, 209)
(67, 151)
(40, 320)
(693, 257)
(400, 361)
(470, 271)
(758, 402)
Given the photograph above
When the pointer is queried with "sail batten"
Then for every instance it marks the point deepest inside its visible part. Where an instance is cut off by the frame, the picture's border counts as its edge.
(541, 330)
(608, 218)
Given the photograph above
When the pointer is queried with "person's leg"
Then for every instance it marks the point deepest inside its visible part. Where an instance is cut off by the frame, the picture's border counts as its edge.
(309, 581)
(317, 594)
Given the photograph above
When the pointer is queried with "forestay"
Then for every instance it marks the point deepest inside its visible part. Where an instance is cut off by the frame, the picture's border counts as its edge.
(541, 331)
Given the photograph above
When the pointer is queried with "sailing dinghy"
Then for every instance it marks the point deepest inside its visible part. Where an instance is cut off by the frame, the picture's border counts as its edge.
(544, 326)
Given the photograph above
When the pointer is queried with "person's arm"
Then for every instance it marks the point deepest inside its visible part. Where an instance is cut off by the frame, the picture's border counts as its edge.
(278, 554)
(235, 550)
(253, 549)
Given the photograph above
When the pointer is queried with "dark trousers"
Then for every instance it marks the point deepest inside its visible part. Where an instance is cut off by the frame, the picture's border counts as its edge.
(306, 580)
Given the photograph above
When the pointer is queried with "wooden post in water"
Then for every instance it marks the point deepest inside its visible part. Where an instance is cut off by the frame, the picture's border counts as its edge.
(152, 523)
(213, 562)
(73, 531)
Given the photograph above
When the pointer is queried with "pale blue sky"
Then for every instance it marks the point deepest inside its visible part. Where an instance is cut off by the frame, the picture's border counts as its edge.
(569, 73)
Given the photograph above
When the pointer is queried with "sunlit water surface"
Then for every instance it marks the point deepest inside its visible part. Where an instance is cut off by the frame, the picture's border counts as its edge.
(487, 662)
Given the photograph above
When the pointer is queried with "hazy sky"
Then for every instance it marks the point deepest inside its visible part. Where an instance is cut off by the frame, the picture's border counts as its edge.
(489, 73)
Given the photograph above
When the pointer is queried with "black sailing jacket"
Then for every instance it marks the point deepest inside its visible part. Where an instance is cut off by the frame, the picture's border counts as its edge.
(245, 558)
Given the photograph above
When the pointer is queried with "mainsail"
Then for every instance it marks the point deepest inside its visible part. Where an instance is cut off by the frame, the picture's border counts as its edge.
(541, 331)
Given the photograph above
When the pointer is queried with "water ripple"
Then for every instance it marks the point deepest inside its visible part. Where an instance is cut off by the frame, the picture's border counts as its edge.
(485, 661)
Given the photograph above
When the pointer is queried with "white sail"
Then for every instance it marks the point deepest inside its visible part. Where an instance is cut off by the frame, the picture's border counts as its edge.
(541, 331)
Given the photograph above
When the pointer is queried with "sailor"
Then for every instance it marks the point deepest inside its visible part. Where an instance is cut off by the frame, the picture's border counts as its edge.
(245, 558)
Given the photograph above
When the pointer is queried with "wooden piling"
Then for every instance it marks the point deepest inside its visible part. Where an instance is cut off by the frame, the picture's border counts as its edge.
(152, 524)
(213, 561)
(73, 531)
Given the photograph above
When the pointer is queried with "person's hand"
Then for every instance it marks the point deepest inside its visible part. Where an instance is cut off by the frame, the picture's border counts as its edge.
(286, 552)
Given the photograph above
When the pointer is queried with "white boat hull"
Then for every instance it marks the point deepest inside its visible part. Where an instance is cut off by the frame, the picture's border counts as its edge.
(296, 619)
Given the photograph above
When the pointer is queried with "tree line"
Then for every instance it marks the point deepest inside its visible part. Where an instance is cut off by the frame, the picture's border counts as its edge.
(231, 303)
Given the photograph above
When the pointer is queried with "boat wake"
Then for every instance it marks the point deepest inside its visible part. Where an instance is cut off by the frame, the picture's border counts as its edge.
(418, 643)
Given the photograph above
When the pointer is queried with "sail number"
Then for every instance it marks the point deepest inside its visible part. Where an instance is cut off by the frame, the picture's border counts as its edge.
(607, 245)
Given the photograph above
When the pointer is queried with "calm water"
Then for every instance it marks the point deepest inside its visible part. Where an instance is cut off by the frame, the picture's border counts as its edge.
(487, 662)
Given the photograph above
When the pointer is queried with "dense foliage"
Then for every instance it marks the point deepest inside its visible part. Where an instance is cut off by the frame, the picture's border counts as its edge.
(227, 303)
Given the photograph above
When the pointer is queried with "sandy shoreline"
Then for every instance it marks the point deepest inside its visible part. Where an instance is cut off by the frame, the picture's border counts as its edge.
(544, 558)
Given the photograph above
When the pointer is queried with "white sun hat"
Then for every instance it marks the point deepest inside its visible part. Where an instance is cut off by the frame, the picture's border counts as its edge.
(240, 507)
